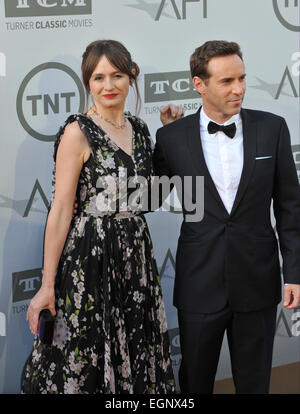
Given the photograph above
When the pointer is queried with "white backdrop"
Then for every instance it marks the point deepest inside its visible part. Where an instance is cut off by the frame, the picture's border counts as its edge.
(41, 43)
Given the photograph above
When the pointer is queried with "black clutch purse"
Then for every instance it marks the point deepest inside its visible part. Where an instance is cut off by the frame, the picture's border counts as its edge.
(46, 327)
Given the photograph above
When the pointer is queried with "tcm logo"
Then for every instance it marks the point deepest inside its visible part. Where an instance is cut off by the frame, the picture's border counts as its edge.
(169, 86)
(26, 8)
(2, 64)
(296, 153)
(287, 12)
(2, 324)
(26, 284)
(167, 8)
(48, 94)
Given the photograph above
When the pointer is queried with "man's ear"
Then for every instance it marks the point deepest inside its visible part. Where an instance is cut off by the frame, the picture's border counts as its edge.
(199, 85)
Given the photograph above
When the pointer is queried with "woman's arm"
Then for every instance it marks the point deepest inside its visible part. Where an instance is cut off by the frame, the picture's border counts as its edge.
(72, 152)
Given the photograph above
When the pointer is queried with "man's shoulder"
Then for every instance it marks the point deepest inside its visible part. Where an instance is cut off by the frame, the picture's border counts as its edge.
(176, 127)
(258, 115)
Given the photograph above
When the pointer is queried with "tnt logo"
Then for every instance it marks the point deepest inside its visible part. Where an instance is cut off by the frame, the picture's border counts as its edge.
(47, 96)
(2, 64)
(2, 324)
(287, 12)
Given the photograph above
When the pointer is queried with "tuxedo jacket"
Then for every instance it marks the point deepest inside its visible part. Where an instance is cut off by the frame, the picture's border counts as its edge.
(233, 258)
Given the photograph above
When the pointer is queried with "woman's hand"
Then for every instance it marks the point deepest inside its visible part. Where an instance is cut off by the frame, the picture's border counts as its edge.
(44, 299)
(171, 113)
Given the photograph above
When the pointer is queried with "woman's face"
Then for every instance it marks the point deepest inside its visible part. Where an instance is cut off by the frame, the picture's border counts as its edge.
(109, 86)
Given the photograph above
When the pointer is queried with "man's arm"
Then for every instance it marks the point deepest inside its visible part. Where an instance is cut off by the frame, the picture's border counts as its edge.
(160, 162)
(286, 196)
(161, 168)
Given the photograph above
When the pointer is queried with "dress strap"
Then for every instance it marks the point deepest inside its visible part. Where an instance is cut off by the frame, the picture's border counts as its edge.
(86, 125)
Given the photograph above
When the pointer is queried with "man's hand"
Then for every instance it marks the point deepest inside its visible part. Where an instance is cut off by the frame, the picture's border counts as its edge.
(171, 113)
(291, 299)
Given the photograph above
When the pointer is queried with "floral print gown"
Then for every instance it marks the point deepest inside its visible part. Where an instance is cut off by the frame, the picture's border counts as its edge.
(110, 332)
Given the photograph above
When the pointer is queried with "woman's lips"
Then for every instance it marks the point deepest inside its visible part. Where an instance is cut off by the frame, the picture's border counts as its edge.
(110, 96)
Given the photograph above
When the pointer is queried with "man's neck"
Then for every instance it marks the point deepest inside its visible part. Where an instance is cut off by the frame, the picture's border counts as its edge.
(217, 117)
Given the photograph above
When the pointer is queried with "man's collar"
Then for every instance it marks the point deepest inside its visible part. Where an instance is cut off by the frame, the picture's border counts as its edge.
(204, 119)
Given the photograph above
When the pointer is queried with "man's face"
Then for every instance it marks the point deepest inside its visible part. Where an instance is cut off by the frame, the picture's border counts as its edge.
(223, 92)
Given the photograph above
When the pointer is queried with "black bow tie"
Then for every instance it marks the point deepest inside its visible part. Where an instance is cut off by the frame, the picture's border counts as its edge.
(229, 130)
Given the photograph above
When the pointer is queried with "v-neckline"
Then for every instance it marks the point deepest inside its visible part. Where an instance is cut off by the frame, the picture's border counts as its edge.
(105, 134)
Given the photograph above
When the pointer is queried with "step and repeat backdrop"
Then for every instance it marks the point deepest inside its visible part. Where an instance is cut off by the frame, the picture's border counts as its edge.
(41, 44)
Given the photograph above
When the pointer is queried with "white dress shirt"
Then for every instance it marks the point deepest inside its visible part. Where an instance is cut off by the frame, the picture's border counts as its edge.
(224, 157)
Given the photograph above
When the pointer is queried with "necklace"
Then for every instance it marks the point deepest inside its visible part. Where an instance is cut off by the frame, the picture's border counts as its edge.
(122, 126)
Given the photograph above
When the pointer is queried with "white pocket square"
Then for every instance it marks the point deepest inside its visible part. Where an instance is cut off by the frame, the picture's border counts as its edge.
(263, 158)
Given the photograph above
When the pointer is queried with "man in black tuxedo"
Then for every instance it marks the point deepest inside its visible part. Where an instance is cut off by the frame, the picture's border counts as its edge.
(227, 265)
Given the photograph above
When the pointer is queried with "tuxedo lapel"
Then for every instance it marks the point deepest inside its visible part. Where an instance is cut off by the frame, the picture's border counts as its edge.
(196, 150)
(249, 144)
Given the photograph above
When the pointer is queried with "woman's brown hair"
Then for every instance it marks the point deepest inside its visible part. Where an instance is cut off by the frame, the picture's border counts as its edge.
(118, 56)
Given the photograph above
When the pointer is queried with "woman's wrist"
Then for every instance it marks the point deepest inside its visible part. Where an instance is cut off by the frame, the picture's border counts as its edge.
(48, 284)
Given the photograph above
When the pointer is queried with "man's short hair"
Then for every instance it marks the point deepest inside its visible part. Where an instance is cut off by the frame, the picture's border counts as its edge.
(202, 55)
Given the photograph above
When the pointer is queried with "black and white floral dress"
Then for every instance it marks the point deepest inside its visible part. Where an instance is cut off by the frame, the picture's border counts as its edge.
(110, 332)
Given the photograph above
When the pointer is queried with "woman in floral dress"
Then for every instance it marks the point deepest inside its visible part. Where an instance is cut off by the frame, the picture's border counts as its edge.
(99, 276)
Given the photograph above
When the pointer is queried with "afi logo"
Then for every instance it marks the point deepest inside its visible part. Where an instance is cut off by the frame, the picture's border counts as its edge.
(23, 4)
(2, 324)
(287, 76)
(155, 13)
(184, 6)
(2, 64)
